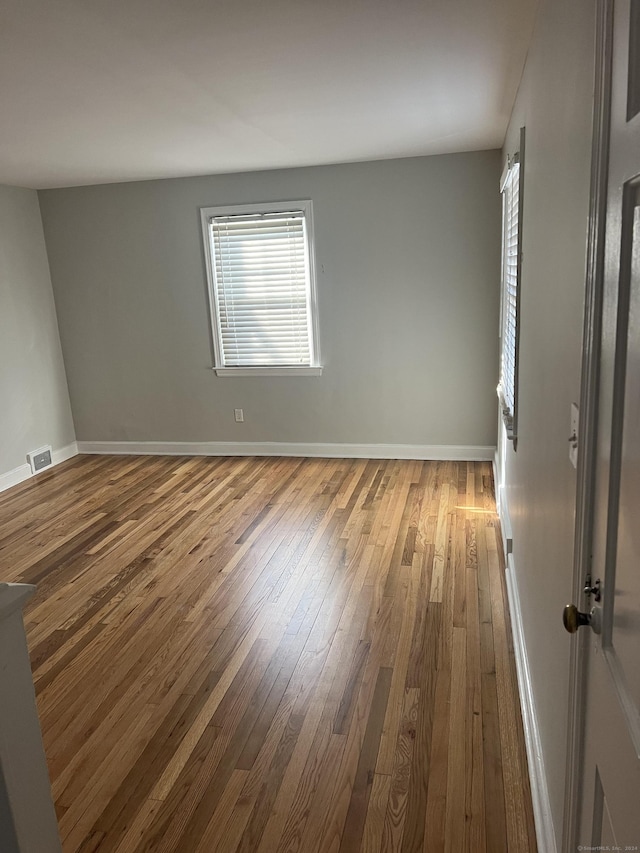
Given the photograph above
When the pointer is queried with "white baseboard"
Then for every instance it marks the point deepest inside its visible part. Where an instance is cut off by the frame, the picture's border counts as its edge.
(15, 476)
(64, 453)
(23, 472)
(539, 790)
(276, 448)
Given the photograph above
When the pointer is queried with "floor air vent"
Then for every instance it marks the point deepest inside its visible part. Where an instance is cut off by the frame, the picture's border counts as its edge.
(39, 459)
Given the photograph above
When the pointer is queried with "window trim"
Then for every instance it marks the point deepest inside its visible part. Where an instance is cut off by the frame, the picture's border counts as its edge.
(510, 417)
(206, 214)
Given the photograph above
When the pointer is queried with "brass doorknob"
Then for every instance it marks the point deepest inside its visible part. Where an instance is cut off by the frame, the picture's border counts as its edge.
(572, 619)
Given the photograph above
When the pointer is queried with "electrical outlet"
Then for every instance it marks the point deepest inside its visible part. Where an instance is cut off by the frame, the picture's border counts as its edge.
(238, 415)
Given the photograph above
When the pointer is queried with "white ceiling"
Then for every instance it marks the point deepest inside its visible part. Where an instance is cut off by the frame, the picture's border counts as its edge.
(95, 91)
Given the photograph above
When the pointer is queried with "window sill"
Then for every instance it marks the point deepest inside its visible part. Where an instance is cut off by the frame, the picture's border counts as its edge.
(268, 371)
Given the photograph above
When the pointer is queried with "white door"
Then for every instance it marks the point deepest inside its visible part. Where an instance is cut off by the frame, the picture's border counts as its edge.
(609, 783)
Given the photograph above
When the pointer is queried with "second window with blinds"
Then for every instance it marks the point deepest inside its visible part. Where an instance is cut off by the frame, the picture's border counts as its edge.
(260, 268)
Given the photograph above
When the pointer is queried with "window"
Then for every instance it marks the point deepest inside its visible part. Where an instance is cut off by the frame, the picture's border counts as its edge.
(511, 188)
(262, 289)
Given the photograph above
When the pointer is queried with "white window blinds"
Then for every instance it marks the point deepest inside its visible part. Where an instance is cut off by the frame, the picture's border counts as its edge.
(510, 282)
(510, 286)
(262, 292)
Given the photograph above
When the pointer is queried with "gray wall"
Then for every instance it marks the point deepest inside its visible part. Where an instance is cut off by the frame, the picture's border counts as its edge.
(407, 255)
(34, 401)
(555, 105)
(8, 839)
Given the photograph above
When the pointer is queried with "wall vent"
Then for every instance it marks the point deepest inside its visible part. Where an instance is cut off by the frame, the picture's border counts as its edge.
(40, 459)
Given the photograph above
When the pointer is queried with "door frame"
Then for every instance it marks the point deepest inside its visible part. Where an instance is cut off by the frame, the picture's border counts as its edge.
(589, 398)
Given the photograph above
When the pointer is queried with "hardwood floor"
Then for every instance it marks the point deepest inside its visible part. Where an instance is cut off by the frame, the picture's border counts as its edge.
(271, 655)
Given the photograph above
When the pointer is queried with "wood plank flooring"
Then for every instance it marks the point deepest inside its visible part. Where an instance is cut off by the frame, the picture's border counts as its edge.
(265, 655)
